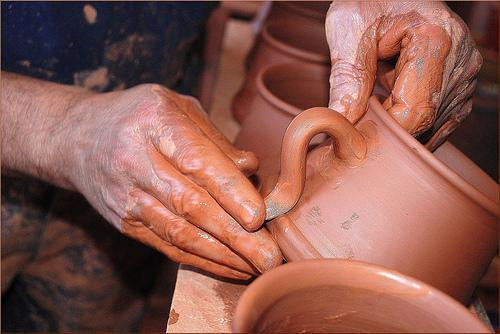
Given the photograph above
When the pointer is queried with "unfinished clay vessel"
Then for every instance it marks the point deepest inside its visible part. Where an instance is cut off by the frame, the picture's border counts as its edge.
(283, 91)
(378, 195)
(301, 12)
(339, 296)
(280, 42)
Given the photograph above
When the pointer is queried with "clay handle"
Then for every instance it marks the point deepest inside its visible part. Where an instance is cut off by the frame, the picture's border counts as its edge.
(349, 146)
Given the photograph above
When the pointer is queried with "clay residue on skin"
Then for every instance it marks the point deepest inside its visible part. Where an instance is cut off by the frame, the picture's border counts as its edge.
(97, 80)
(167, 145)
(436, 69)
(165, 191)
(90, 14)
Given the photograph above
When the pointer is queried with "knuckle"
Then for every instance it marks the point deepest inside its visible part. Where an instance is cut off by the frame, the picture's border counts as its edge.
(151, 88)
(233, 231)
(153, 96)
(190, 160)
(476, 62)
(341, 11)
(176, 233)
(185, 201)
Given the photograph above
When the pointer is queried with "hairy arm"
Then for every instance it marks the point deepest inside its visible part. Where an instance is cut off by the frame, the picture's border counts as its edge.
(31, 124)
(149, 161)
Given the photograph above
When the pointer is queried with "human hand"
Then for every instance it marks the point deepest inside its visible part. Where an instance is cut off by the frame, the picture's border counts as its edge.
(153, 165)
(435, 74)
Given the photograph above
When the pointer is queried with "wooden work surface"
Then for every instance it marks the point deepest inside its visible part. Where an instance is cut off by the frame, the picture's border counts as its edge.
(202, 303)
(205, 304)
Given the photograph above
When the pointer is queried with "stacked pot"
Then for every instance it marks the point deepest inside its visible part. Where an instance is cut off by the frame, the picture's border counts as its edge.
(287, 72)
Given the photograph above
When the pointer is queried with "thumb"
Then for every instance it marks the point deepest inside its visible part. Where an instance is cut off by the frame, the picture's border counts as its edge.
(353, 50)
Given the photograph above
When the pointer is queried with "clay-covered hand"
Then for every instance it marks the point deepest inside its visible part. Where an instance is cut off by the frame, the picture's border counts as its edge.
(153, 165)
(435, 73)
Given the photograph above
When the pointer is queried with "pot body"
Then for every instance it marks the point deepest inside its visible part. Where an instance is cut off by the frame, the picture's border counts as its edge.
(338, 296)
(302, 12)
(283, 91)
(401, 208)
(280, 42)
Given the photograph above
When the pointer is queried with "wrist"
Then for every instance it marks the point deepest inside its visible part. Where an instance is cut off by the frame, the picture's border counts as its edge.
(63, 143)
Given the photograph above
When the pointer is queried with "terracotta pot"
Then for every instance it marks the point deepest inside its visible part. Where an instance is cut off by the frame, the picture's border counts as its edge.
(283, 91)
(280, 42)
(299, 11)
(379, 196)
(335, 296)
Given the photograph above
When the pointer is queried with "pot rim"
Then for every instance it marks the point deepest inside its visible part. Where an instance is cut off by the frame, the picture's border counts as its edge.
(303, 11)
(267, 95)
(431, 160)
(310, 267)
(301, 54)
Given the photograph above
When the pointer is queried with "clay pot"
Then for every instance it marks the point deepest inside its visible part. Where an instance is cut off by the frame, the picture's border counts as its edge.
(335, 296)
(379, 196)
(280, 42)
(301, 12)
(283, 91)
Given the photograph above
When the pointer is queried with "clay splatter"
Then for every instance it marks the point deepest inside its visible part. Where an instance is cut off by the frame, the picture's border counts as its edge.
(90, 14)
(173, 317)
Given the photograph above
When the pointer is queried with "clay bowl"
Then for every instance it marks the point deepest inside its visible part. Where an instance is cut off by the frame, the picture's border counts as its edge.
(339, 296)
(280, 42)
(377, 195)
(283, 91)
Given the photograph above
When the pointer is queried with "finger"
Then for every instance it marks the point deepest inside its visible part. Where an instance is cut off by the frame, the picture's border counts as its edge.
(182, 234)
(138, 231)
(459, 113)
(246, 161)
(353, 55)
(196, 157)
(188, 200)
(460, 87)
(419, 73)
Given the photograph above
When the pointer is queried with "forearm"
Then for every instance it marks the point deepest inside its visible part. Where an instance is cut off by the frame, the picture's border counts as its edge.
(32, 126)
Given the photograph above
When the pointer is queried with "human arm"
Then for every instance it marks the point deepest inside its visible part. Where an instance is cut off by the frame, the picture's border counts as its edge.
(150, 161)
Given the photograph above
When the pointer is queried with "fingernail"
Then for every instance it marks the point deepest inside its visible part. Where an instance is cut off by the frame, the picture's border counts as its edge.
(252, 215)
(247, 161)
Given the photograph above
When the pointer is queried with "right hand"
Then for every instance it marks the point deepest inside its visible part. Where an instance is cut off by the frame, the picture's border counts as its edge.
(435, 74)
(152, 164)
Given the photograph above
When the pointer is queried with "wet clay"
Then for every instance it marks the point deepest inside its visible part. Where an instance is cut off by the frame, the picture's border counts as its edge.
(165, 176)
(435, 74)
(349, 147)
(376, 194)
(338, 296)
(283, 91)
(173, 317)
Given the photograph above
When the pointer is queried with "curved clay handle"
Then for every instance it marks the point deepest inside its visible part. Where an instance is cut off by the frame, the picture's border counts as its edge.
(349, 145)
